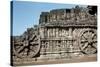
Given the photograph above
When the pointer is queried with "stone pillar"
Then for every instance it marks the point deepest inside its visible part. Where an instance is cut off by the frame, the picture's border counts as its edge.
(53, 32)
(50, 46)
(63, 45)
(48, 32)
(47, 49)
(70, 31)
(63, 33)
(56, 32)
(42, 32)
(54, 46)
(60, 32)
(70, 37)
(45, 32)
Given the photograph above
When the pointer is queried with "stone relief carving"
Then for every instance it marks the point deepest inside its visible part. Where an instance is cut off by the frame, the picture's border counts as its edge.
(61, 34)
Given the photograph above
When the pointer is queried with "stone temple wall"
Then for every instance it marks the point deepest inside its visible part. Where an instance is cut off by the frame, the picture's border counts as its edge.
(62, 35)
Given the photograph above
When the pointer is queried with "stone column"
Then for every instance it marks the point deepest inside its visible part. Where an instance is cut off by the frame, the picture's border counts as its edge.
(53, 32)
(62, 45)
(42, 32)
(60, 32)
(70, 36)
(56, 32)
(45, 32)
(50, 46)
(70, 44)
(48, 32)
(70, 32)
(63, 32)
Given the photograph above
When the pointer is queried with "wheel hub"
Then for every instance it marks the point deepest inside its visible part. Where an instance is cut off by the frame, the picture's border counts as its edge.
(26, 43)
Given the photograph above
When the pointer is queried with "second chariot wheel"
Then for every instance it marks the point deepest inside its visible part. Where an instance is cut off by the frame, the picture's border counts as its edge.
(28, 47)
(88, 42)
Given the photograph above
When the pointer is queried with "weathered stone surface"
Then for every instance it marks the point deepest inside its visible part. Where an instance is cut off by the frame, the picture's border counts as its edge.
(61, 34)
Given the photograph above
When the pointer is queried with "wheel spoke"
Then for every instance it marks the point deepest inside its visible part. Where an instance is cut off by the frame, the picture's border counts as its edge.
(83, 41)
(93, 35)
(18, 43)
(20, 49)
(85, 46)
(83, 36)
(28, 52)
(36, 39)
(17, 46)
(94, 45)
(32, 50)
(33, 43)
(31, 38)
(88, 50)
(88, 33)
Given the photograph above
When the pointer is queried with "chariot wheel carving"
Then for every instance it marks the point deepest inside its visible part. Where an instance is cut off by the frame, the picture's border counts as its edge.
(27, 48)
(88, 42)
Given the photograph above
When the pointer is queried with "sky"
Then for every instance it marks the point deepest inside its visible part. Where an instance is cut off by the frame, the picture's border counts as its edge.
(26, 14)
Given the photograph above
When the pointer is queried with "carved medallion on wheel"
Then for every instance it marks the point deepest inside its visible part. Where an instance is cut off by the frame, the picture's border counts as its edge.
(88, 42)
(28, 47)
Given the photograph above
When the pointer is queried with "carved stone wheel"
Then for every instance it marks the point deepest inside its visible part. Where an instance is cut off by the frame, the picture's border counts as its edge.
(27, 48)
(88, 42)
